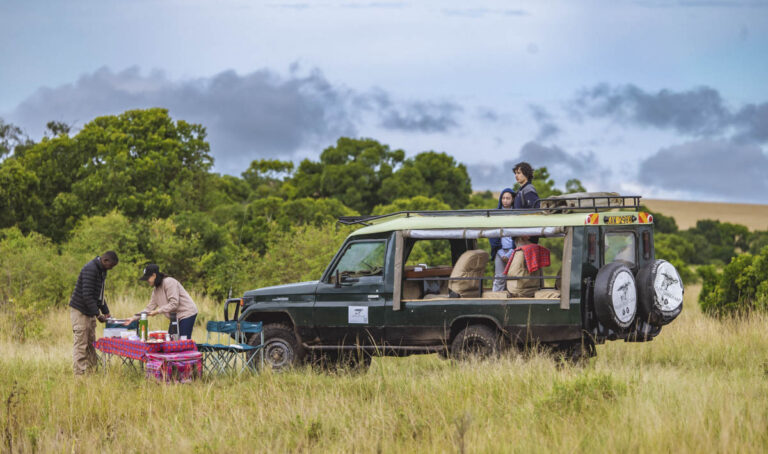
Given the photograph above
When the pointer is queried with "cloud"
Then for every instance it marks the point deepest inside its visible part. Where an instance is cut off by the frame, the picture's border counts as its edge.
(721, 169)
(700, 112)
(752, 119)
(562, 166)
(547, 127)
(260, 114)
(414, 116)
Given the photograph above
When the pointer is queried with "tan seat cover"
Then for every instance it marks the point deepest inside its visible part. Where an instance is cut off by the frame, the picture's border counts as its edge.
(522, 288)
(470, 264)
(547, 293)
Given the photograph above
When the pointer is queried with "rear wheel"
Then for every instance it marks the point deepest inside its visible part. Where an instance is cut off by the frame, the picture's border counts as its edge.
(281, 348)
(476, 341)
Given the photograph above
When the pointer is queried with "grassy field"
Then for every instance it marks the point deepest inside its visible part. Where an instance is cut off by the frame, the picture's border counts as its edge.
(753, 216)
(702, 386)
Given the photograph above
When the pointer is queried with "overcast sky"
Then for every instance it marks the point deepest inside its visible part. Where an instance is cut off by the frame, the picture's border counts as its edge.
(667, 99)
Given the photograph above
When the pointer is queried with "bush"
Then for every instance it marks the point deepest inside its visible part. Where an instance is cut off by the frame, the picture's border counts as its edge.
(741, 288)
(300, 254)
(34, 279)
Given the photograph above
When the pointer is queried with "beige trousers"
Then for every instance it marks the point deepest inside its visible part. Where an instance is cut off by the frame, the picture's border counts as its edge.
(83, 354)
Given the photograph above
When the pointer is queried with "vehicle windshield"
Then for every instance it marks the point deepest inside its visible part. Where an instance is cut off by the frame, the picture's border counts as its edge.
(362, 258)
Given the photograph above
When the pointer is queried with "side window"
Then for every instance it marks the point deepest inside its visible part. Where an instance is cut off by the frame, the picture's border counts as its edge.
(619, 246)
(362, 259)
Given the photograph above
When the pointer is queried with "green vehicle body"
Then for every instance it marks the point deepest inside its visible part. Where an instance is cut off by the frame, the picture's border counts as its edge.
(320, 312)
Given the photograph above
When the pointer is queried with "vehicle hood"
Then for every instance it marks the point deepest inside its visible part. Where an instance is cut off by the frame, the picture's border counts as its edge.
(299, 288)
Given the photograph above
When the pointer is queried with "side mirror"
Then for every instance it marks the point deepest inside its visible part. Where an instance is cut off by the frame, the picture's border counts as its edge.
(338, 280)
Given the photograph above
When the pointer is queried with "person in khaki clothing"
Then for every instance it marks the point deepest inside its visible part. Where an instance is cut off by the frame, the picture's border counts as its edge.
(170, 299)
(86, 302)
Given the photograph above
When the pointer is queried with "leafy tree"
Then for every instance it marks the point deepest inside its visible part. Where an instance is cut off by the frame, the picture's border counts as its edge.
(430, 174)
(141, 163)
(266, 176)
(758, 240)
(418, 203)
(58, 128)
(351, 172)
(10, 138)
(715, 241)
(482, 200)
(308, 245)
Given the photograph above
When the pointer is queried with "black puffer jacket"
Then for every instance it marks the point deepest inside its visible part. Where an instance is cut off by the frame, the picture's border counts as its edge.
(88, 296)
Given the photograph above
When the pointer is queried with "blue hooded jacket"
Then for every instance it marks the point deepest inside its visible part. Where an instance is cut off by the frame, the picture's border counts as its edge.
(496, 242)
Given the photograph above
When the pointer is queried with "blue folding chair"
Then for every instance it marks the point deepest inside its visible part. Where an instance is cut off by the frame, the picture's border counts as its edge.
(236, 355)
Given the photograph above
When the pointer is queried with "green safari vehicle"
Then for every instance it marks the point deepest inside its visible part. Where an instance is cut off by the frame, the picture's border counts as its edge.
(421, 282)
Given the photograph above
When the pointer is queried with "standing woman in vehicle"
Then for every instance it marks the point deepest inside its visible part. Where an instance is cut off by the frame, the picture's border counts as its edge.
(502, 248)
(170, 299)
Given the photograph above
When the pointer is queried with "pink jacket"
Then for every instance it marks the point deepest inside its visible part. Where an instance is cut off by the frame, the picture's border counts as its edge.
(170, 297)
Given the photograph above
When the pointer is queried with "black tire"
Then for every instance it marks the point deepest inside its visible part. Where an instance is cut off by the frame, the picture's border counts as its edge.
(659, 293)
(615, 296)
(281, 348)
(476, 341)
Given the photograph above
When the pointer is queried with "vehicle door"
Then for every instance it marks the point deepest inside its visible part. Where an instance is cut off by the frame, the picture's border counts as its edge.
(350, 302)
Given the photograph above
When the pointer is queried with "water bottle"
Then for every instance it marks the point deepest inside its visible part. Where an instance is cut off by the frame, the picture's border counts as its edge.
(143, 327)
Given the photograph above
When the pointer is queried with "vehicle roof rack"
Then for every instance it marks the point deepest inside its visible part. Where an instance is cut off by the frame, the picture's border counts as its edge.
(584, 202)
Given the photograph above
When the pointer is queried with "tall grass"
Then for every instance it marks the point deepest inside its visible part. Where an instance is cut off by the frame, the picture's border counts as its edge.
(699, 387)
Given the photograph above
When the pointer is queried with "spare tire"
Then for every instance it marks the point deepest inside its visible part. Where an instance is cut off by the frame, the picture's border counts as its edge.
(615, 296)
(660, 293)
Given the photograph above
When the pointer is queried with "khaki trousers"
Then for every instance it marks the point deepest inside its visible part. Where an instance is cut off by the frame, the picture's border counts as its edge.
(83, 354)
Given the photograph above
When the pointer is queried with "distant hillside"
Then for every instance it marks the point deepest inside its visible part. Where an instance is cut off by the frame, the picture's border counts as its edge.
(755, 217)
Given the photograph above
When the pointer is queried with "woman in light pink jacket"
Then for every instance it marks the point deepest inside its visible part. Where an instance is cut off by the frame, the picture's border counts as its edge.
(170, 299)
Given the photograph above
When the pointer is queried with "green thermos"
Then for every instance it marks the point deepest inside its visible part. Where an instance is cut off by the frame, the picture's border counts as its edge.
(143, 327)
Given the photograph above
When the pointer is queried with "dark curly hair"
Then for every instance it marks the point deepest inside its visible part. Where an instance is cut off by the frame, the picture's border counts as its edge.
(525, 169)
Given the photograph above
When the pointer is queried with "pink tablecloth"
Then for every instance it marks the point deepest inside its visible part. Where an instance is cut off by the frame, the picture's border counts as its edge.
(138, 349)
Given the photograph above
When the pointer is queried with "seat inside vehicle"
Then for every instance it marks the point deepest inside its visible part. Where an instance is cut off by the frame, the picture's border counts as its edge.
(471, 264)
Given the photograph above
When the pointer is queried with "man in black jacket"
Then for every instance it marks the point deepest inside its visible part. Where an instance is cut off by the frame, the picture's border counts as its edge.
(86, 302)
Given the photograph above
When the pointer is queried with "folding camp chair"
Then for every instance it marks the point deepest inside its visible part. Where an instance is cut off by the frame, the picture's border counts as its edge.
(236, 355)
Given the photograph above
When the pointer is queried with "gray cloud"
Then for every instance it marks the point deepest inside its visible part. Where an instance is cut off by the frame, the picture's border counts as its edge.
(261, 114)
(547, 127)
(722, 169)
(752, 119)
(415, 116)
(562, 166)
(699, 112)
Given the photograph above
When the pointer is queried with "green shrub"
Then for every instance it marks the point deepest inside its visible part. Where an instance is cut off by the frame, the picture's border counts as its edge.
(34, 279)
(742, 286)
(300, 254)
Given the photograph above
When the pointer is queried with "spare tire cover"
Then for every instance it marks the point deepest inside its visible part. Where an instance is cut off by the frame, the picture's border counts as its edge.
(660, 293)
(615, 296)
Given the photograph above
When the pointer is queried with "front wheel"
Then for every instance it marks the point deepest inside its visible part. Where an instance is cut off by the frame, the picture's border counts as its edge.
(476, 341)
(281, 348)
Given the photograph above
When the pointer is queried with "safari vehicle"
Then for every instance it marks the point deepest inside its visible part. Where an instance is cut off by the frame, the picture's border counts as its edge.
(419, 282)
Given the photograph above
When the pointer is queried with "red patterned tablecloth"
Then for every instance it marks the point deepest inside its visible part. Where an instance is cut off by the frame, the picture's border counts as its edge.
(138, 349)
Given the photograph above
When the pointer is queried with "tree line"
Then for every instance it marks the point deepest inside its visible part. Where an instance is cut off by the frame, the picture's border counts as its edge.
(142, 183)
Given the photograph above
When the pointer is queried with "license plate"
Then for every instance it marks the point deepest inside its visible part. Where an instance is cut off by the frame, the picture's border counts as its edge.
(613, 220)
